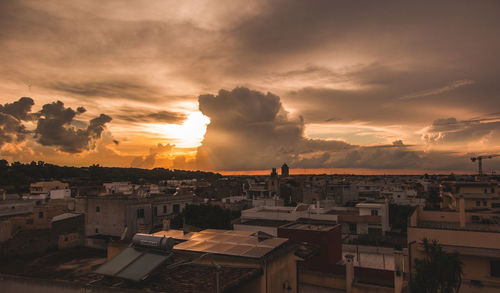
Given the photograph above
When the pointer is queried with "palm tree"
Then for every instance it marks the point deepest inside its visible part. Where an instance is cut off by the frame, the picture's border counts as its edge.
(438, 271)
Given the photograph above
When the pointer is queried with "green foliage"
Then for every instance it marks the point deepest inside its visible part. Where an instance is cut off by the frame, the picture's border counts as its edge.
(205, 217)
(398, 216)
(433, 199)
(439, 271)
(18, 176)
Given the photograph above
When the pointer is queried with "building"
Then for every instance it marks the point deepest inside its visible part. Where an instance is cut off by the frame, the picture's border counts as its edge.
(16, 207)
(374, 209)
(171, 261)
(461, 227)
(122, 216)
(475, 195)
(285, 171)
(370, 217)
(342, 192)
(324, 236)
(41, 190)
(125, 188)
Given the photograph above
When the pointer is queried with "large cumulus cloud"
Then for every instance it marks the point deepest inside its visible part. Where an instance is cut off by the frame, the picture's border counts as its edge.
(54, 128)
(251, 130)
(247, 129)
(11, 117)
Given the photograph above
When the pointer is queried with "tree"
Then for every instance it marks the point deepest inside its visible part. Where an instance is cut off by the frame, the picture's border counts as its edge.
(438, 271)
(205, 216)
(433, 199)
(398, 216)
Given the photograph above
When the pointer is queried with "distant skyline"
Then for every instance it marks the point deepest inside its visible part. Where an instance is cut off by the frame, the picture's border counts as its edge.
(238, 86)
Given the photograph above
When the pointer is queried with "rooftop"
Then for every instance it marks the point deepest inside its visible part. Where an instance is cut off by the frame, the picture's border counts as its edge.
(65, 216)
(479, 227)
(246, 244)
(264, 223)
(310, 226)
(77, 266)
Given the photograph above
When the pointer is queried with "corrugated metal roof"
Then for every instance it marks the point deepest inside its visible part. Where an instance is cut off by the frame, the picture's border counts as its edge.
(65, 216)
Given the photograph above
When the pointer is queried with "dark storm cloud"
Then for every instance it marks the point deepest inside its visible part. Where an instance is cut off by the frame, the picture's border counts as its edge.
(54, 128)
(11, 117)
(412, 56)
(247, 129)
(20, 109)
(251, 130)
(147, 116)
(391, 64)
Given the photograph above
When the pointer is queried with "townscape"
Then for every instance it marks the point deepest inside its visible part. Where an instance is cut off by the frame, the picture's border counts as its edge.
(253, 146)
(278, 232)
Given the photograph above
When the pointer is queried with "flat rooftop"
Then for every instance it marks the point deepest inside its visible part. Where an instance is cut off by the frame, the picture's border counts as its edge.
(264, 223)
(310, 226)
(479, 227)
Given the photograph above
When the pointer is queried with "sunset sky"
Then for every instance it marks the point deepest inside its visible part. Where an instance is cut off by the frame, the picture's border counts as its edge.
(362, 86)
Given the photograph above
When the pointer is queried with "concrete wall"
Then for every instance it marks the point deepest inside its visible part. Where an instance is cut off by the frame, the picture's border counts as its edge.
(109, 220)
(41, 240)
(282, 269)
(110, 215)
(269, 230)
(456, 237)
(18, 207)
(6, 230)
(313, 281)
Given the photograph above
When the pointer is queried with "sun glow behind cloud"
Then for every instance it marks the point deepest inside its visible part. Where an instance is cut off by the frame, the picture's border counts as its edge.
(189, 134)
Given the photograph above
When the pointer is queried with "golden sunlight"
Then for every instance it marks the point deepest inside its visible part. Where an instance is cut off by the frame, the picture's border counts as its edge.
(186, 135)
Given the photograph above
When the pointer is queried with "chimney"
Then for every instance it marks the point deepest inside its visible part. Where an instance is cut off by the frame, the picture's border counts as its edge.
(398, 271)
(461, 206)
(349, 272)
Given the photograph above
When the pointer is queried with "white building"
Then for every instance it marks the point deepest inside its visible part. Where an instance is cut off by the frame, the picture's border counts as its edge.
(59, 193)
(125, 188)
(361, 219)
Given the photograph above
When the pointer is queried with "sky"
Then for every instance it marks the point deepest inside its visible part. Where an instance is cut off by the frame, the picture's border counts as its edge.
(239, 86)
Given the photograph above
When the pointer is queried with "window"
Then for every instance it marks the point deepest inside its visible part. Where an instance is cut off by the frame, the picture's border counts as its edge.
(165, 209)
(485, 203)
(495, 268)
(495, 205)
(352, 228)
(96, 230)
(140, 213)
(97, 209)
(478, 203)
(374, 212)
(40, 215)
(155, 211)
(176, 208)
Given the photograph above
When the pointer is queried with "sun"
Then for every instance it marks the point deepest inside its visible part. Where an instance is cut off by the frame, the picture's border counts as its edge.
(189, 134)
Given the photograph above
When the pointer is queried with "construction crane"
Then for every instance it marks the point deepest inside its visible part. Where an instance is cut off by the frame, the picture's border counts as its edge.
(479, 160)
